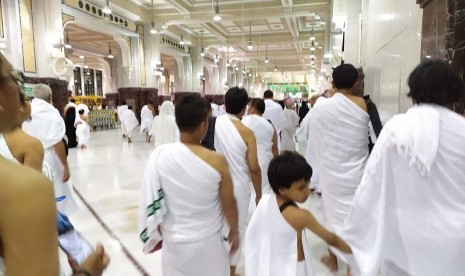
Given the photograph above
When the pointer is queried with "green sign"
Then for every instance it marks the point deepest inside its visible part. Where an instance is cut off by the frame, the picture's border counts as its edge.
(28, 89)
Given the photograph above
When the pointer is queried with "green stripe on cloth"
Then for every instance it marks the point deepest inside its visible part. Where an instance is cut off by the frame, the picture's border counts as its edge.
(155, 206)
(143, 236)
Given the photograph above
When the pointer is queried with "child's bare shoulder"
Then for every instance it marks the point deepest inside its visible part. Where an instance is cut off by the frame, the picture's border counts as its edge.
(296, 216)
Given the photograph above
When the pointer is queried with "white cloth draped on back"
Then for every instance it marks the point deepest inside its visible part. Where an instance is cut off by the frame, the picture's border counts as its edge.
(82, 131)
(152, 208)
(229, 142)
(302, 135)
(164, 128)
(271, 243)
(190, 209)
(48, 126)
(274, 113)
(338, 137)
(120, 110)
(146, 117)
(129, 122)
(291, 120)
(263, 131)
(408, 216)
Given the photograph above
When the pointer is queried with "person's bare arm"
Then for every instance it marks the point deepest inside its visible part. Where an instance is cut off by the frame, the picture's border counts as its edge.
(28, 223)
(228, 202)
(34, 156)
(254, 167)
(309, 221)
(61, 153)
(274, 147)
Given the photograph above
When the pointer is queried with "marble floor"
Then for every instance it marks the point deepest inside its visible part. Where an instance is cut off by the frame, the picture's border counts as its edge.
(108, 176)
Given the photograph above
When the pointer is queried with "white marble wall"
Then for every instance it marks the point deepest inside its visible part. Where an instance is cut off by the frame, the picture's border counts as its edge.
(391, 45)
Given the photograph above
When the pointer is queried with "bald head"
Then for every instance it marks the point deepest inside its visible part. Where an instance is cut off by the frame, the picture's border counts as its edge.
(43, 92)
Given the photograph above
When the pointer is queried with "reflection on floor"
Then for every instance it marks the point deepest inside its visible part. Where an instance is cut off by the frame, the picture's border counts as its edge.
(108, 175)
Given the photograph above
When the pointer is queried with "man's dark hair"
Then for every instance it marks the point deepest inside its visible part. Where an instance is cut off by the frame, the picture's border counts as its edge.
(123, 103)
(72, 101)
(287, 168)
(81, 111)
(258, 104)
(345, 76)
(434, 81)
(210, 100)
(190, 112)
(130, 107)
(235, 100)
(150, 102)
(268, 94)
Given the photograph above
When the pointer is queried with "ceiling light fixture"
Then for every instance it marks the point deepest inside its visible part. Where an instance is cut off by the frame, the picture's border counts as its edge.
(152, 24)
(106, 9)
(109, 51)
(217, 59)
(217, 16)
(67, 45)
(203, 50)
(81, 57)
(266, 54)
(228, 63)
(85, 63)
(164, 27)
(250, 42)
(182, 42)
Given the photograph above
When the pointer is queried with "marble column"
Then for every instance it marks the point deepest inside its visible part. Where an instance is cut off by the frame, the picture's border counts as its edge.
(443, 35)
(197, 68)
(353, 32)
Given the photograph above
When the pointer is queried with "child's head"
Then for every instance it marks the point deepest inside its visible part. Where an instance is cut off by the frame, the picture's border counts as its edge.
(289, 174)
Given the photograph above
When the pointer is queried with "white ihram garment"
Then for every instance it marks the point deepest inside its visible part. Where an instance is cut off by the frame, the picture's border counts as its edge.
(271, 243)
(291, 120)
(263, 131)
(229, 143)
(164, 127)
(274, 112)
(48, 126)
(120, 110)
(82, 131)
(190, 217)
(146, 117)
(338, 138)
(129, 122)
(408, 215)
(302, 135)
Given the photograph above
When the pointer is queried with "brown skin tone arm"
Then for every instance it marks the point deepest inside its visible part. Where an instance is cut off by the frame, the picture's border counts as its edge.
(228, 202)
(307, 220)
(28, 224)
(34, 157)
(274, 147)
(61, 153)
(254, 167)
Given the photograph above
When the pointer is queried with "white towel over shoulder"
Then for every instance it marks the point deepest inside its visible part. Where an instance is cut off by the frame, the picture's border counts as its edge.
(271, 243)
(338, 140)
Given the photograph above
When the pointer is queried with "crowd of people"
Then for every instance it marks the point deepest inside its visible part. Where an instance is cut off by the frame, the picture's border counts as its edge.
(393, 199)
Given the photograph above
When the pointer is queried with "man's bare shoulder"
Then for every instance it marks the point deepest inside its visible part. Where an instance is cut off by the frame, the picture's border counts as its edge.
(20, 183)
(20, 141)
(213, 158)
(244, 131)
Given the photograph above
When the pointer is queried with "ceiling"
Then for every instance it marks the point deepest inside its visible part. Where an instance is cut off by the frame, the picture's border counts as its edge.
(279, 29)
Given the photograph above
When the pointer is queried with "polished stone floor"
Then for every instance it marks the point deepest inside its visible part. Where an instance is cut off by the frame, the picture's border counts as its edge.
(108, 176)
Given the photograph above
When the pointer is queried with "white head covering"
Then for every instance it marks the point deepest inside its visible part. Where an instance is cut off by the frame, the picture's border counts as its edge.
(167, 108)
(164, 128)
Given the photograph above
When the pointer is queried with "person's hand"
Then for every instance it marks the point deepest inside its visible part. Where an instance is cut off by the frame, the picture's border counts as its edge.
(66, 174)
(257, 198)
(95, 264)
(234, 240)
